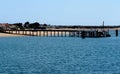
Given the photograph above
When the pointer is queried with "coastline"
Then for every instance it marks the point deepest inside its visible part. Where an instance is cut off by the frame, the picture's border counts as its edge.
(9, 35)
(49, 33)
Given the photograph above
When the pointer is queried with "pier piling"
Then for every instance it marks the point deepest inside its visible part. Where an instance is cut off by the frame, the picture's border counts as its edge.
(116, 32)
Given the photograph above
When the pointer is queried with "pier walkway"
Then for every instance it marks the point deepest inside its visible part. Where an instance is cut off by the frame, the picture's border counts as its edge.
(60, 33)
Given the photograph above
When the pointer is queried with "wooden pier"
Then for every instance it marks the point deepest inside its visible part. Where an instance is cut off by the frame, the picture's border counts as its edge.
(60, 33)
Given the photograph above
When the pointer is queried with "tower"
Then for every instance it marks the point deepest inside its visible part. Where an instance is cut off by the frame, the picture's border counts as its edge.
(103, 23)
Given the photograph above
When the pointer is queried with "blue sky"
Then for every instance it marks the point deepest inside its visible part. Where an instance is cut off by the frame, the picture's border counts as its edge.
(61, 12)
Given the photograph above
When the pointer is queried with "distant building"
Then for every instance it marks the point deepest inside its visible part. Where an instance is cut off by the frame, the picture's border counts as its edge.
(6, 26)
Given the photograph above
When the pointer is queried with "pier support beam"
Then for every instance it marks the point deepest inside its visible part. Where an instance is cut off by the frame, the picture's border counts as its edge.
(116, 32)
(65, 33)
(51, 33)
(54, 34)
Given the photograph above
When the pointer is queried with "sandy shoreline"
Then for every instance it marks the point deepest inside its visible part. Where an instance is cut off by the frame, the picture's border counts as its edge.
(9, 35)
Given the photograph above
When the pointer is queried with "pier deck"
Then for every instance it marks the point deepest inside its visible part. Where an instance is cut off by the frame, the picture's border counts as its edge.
(60, 33)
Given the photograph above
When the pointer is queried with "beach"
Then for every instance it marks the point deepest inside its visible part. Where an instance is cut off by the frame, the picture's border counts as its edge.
(8, 35)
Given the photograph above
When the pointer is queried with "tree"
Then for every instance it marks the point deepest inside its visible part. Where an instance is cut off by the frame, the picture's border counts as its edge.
(44, 24)
(34, 25)
(26, 25)
(18, 25)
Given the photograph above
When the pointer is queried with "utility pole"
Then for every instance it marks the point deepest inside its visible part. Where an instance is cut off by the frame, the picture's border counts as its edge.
(103, 25)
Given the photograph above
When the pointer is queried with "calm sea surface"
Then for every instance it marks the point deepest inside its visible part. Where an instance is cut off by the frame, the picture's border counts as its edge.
(60, 55)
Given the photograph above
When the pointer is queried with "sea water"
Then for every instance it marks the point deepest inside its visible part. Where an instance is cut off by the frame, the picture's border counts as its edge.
(60, 55)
